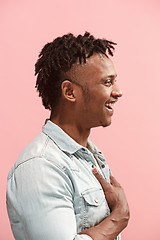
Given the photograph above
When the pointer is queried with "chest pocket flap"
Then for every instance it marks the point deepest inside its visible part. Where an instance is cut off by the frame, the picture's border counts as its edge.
(93, 197)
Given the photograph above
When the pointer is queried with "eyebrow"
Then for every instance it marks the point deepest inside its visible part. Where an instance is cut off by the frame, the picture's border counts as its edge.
(111, 76)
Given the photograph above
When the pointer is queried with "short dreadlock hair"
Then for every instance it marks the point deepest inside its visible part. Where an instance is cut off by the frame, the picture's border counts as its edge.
(58, 57)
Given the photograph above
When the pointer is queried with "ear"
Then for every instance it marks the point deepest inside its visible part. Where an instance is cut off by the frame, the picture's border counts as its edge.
(68, 90)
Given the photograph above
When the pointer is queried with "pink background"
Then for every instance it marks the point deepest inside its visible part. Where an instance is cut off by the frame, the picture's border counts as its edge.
(131, 144)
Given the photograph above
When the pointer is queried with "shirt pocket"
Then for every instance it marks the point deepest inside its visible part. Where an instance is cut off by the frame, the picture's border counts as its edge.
(94, 207)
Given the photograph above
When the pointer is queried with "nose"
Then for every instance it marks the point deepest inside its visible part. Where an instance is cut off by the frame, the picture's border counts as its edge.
(116, 92)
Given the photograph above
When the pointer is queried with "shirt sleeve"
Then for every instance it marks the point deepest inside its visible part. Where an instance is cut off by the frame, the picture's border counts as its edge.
(40, 202)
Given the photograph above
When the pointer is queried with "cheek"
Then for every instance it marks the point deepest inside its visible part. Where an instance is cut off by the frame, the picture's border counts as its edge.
(96, 98)
(107, 92)
(101, 96)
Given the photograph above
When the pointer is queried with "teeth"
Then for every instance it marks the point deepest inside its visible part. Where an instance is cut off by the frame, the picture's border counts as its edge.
(109, 105)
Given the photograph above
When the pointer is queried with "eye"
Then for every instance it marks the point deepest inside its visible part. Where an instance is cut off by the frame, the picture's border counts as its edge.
(108, 83)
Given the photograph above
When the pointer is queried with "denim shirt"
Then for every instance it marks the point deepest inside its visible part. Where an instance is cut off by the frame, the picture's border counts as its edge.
(51, 190)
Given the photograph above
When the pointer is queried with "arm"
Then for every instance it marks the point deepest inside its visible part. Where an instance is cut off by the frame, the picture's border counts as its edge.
(110, 227)
(40, 202)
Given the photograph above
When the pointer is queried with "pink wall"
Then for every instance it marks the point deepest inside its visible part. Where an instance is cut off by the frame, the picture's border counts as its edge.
(131, 143)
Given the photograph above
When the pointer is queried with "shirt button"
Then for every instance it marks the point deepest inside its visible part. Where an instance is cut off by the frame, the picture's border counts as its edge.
(103, 166)
(83, 149)
(96, 201)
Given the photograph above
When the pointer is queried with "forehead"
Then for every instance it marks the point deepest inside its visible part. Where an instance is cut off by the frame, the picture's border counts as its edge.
(100, 65)
(97, 67)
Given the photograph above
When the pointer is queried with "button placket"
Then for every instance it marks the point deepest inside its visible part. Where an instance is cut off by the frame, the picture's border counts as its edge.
(88, 156)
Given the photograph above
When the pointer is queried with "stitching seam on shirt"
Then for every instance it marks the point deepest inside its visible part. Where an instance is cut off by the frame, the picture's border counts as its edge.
(23, 163)
(45, 144)
(38, 156)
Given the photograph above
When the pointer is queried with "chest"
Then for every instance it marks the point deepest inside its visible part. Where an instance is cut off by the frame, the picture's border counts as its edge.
(89, 202)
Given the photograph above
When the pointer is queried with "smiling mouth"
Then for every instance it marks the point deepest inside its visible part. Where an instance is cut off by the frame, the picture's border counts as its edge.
(109, 106)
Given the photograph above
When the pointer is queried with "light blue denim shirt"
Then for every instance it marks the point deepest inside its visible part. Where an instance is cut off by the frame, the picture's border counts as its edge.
(52, 193)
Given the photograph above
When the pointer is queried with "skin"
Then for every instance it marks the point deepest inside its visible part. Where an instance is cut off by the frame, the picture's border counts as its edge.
(86, 89)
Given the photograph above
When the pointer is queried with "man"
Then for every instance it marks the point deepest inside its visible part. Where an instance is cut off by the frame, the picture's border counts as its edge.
(61, 187)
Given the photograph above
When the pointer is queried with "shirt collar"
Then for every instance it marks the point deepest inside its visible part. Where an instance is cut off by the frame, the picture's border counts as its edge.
(66, 143)
(96, 152)
(62, 139)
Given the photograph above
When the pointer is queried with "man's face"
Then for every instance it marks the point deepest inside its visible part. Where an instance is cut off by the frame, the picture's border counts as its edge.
(95, 104)
(97, 91)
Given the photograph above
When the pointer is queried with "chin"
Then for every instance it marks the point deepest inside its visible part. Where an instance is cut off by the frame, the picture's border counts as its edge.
(105, 124)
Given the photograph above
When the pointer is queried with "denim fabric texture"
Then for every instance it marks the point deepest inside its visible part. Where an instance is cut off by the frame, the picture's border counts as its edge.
(52, 193)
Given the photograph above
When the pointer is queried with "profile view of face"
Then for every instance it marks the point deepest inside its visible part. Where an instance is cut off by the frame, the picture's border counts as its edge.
(98, 92)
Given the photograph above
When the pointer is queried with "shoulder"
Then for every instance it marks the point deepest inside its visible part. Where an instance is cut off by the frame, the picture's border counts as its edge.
(41, 151)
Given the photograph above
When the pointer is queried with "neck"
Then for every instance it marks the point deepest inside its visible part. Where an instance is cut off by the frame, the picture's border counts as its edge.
(68, 124)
